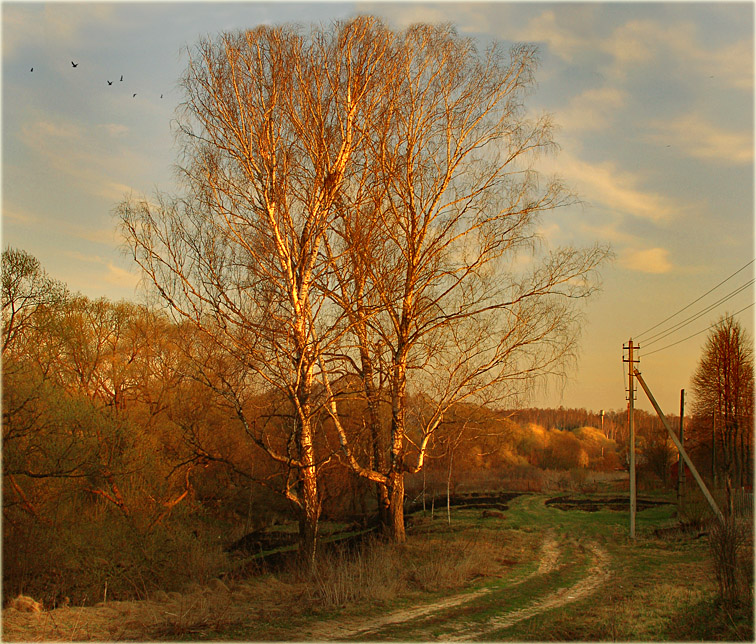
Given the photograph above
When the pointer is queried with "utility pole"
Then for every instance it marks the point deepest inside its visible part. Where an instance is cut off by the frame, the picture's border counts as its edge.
(631, 426)
(680, 461)
(681, 449)
(714, 449)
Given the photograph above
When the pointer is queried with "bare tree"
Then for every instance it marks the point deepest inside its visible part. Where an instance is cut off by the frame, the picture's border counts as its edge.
(425, 260)
(723, 394)
(274, 120)
(27, 289)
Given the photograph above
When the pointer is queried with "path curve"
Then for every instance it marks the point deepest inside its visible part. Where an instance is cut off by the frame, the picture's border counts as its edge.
(598, 574)
(360, 627)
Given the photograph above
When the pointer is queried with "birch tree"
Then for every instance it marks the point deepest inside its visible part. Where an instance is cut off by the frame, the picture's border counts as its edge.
(426, 261)
(273, 121)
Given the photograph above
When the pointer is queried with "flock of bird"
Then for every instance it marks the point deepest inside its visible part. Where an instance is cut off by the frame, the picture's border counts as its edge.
(75, 65)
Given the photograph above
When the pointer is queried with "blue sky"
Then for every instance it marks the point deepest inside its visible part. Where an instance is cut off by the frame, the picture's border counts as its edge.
(654, 103)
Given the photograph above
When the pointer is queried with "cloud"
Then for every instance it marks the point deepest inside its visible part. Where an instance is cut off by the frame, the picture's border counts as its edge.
(563, 40)
(614, 189)
(88, 158)
(636, 42)
(650, 260)
(643, 42)
(594, 109)
(106, 271)
(703, 140)
(68, 20)
(571, 33)
(21, 25)
(11, 213)
(114, 129)
(120, 277)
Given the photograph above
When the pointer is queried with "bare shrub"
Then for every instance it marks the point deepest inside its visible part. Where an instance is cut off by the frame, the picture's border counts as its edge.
(368, 573)
(442, 565)
(734, 570)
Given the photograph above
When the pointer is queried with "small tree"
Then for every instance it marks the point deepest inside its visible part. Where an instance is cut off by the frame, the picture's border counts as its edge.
(723, 398)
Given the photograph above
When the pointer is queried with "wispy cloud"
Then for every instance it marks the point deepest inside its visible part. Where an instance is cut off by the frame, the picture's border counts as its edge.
(701, 139)
(106, 271)
(650, 260)
(86, 156)
(114, 130)
(563, 40)
(18, 215)
(67, 20)
(594, 109)
(571, 33)
(616, 190)
(21, 24)
(644, 42)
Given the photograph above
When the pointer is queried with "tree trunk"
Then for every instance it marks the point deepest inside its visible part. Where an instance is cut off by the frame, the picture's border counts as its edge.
(309, 496)
(310, 512)
(395, 525)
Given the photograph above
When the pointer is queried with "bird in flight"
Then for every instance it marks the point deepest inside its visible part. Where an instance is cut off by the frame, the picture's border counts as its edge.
(121, 76)
(110, 82)
(73, 64)
(133, 95)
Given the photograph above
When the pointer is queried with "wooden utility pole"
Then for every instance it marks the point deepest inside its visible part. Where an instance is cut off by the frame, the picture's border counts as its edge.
(680, 462)
(680, 449)
(714, 449)
(631, 426)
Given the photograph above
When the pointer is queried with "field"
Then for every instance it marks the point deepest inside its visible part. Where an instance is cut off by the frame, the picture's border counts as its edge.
(546, 568)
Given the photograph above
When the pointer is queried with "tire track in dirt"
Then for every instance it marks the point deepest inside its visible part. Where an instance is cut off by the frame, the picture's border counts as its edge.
(597, 575)
(360, 627)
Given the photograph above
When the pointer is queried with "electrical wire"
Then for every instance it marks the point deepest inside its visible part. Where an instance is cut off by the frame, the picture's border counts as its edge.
(696, 300)
(663, 334)
(697, 333)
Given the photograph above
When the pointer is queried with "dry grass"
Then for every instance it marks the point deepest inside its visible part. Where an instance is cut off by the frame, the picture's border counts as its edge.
(380, 572)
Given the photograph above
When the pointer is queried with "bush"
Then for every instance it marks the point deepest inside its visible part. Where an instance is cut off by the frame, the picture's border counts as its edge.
(733, 563)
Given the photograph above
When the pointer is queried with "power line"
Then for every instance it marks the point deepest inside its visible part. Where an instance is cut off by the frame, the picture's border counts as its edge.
(698, 332)
(696, 300)
(663, 334)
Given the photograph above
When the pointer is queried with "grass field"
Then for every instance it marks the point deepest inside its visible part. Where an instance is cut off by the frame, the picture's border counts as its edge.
(533, 573)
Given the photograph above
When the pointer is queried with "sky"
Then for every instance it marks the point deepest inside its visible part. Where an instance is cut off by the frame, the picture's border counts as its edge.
(654, 104)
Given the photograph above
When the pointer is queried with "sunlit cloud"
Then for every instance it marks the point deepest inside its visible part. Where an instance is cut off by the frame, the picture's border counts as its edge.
(633, 43)
(113, 190)
(67, 20)
(616, 190)
(114, 129)
(105, 271)
(650, 260)
(703, 140)
(639, 43)
(11, 213)
(562, 40)
(21, 25)
(83, 156)
(120, 277)
(594, 109)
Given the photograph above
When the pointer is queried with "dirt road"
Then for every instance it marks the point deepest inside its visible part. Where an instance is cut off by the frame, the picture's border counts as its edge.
(551, 558)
